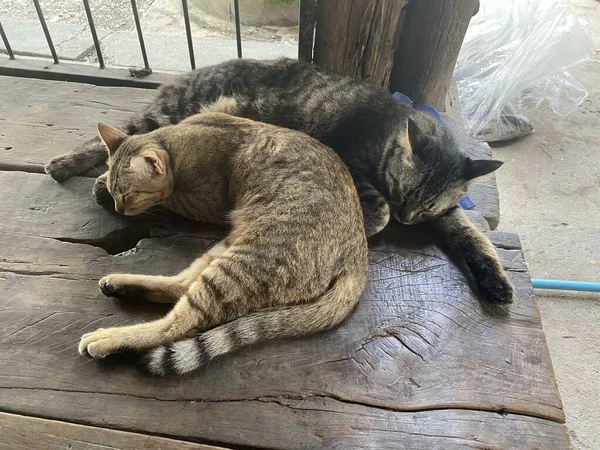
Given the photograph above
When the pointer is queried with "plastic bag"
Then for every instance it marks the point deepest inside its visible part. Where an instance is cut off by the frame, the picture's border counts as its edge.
(514, 56)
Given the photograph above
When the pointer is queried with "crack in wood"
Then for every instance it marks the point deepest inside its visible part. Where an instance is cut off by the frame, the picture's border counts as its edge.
(278, 399)
(118, 241)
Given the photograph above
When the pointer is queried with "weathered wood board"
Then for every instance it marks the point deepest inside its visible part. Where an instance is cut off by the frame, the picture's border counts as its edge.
(52, 210)
(421, 360)
(43, 119)
(30, 433)
(422, 363)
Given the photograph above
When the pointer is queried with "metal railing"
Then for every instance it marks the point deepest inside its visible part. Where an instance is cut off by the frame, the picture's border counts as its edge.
(97, 46)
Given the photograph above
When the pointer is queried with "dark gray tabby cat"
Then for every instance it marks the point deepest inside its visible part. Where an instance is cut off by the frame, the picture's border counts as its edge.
(403, 161)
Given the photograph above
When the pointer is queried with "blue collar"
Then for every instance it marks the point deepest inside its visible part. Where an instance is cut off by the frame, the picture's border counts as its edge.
(399, 97)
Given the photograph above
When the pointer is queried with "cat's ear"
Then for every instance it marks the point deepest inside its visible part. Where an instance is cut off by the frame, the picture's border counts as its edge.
(417, 139)
(112, 137)
(148, 163)
(476, 168)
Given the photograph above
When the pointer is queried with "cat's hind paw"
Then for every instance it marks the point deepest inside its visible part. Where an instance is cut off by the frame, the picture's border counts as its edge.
(113, 286)
(97, 344)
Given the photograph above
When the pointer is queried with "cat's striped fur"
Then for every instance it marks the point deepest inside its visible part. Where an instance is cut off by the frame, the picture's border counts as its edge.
(295, 260)
(404, 163)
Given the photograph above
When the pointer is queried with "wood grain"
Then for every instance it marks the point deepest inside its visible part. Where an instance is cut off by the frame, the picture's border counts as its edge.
(358, 37)
(31, 433)
(66, 212)
(417, 320)
(429, 43)
(421, 363)
(43, 119)
(303, 423)
(306, 29)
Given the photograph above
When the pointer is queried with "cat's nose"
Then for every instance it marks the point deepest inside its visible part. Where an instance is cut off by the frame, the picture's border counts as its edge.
(119, 207)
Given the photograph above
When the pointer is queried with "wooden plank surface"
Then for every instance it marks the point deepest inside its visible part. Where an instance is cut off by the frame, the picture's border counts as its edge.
(41, 119)
(312, 423)
(55, 210)
(31, 433)
(421, 363)
(81, 73)
(420, 350)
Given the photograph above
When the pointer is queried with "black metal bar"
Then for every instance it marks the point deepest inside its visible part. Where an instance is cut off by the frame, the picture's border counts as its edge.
(45, 29)
(88, 13)
(79, 73)
(138, 27)
(11, 55)
(306, 29)
(188, 33)
(238, 28)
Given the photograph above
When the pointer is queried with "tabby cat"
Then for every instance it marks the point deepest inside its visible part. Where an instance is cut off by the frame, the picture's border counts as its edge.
(295, 261)
(404, 162)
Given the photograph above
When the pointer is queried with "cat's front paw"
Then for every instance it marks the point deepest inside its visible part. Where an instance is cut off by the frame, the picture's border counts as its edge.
(376, 214)
(101, 194)
(496, 287)
(59, 168)
(99, 343)
(115, 286)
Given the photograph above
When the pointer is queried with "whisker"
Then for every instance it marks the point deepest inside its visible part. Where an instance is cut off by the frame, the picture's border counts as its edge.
(90, 166)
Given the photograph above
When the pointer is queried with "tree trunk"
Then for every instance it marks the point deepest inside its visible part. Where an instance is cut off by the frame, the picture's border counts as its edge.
(358, 37)
(428, 48)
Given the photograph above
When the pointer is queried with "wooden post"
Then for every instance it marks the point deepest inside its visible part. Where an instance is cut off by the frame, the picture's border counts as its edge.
(428, 48)
(358, 37)
(306, 29)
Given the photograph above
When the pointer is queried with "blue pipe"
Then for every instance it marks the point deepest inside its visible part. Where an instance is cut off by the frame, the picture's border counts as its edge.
(565, 285)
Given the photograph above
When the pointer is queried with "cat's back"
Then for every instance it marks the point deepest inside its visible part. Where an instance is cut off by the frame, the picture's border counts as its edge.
(285, 168)
(287, 177)
(284, 92)
(260, 147)
(268, 155)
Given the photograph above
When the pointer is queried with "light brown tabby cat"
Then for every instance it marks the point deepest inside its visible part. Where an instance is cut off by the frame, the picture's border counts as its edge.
(295, 261)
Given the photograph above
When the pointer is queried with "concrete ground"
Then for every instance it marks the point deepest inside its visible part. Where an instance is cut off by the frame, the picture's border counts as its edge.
(550, 195)
(162, 24)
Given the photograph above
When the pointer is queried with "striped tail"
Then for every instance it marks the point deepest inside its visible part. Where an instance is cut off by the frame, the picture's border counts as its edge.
(287, 322)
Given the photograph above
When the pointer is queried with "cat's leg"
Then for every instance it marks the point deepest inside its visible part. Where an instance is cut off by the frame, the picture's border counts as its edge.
(215, 297)
(86, 156)
(93, 152)
(159, 289)
(184, 320)
(375, 208)
(462, 237)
